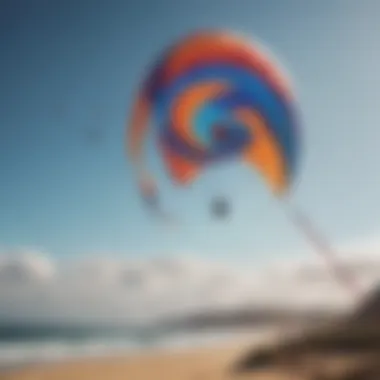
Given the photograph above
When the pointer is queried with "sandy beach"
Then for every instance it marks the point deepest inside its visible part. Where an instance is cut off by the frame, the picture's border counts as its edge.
(209, 363)
(336, 352)
(212, 360)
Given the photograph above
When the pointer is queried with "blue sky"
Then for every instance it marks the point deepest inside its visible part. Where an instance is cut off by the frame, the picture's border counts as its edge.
(69, 70)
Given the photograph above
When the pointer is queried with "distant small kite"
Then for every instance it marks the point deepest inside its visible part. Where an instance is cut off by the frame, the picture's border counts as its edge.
(220, 208)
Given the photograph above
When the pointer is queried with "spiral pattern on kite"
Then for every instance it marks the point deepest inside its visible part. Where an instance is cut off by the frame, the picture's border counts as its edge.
(215, 96)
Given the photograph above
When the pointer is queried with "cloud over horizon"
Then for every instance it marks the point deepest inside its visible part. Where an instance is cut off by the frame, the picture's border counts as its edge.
(37, 287)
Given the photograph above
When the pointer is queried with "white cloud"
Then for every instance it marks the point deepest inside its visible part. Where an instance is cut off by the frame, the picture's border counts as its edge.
(34, 286)
(19, 266)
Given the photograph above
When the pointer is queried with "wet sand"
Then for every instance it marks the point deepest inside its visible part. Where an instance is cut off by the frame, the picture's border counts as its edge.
(211, 363)
(336, 354)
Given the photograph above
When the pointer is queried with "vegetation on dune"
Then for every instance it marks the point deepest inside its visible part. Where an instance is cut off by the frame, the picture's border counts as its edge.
(354, 343)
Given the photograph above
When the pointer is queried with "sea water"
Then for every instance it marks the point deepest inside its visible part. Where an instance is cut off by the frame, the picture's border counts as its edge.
(24, 345)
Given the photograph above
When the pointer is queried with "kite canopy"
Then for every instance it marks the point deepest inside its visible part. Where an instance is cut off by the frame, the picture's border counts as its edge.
(214, 96)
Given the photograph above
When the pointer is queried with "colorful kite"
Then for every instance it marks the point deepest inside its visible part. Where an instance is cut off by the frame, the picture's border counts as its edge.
(211, 97)
(216, 96)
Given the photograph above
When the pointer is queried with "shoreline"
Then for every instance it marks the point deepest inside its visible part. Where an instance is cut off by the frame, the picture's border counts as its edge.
(183, 363)
(54, 353)
(219, 360)
(212, 357)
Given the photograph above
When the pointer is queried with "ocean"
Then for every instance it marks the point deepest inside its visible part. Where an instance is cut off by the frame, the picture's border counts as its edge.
(25, 345)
